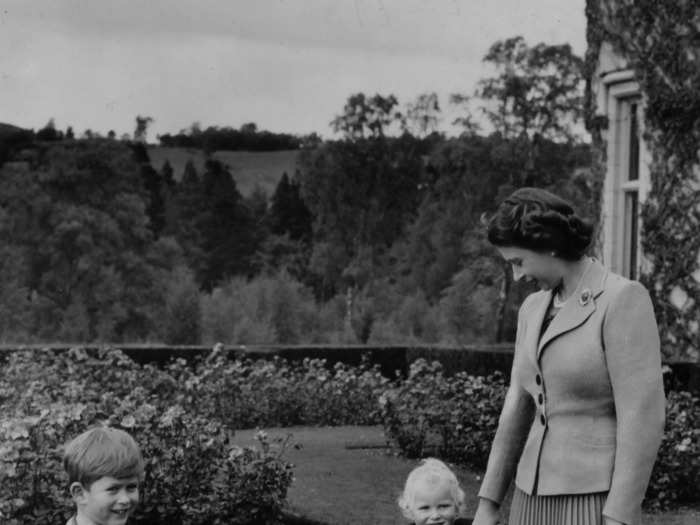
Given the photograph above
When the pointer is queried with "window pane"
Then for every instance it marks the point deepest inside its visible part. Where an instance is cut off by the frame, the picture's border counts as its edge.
(631, 240)
(633, 161)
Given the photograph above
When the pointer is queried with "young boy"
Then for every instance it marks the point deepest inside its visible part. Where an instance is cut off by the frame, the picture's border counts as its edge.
(432, 495)
(104, 467)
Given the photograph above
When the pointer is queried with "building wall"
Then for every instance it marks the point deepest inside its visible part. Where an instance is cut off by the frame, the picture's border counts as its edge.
(626, 183)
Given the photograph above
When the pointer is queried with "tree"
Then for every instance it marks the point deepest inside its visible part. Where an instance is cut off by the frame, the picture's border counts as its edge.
(535, 89)
(190, 207)
(78, 217)
(49, 133)
(182, 324)
(367, 116)
(288, 213)
(228, 233)
(422, 115)
(155, 186)
(141, 130)
(467, 121)
(361, 194)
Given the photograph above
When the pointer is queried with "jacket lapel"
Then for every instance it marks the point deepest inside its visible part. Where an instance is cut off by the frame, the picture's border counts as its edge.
(535, 319)
(578, 308)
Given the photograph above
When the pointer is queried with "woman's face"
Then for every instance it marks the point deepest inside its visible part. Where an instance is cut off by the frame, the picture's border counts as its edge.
(533, 266)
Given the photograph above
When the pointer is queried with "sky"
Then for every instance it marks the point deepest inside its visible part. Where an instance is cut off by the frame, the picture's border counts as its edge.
(287, 65)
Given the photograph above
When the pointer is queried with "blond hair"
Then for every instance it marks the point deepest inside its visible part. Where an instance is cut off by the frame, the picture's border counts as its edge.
(100, 452)
(430, 469)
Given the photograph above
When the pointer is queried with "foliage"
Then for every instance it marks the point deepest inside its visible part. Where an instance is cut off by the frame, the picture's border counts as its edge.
(194, 474)
(677, 469)
(288, 212)
(228, 240)
(267, 310)
(536, 90)
(471, 302)
(452, 417)
(76, 218)
(182, 323)
(422, 115)
(265, 393)
(413, 320)
(660, 42)
(361, 194)
(365, 117)
(246, 138)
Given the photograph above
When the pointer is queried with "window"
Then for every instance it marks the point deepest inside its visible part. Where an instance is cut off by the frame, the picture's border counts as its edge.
(627, 176)
(631, 236)
(629, 135)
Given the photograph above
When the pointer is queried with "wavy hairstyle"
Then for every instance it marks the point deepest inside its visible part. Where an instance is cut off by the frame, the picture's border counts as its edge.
(537, 220)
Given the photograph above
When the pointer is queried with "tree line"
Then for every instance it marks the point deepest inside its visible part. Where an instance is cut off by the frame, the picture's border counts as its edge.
(377, 236)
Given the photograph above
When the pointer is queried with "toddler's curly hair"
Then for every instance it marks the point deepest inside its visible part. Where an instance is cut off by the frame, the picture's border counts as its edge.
(433, 470)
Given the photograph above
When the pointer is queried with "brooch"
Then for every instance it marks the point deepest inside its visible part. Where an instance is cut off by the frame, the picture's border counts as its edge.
(585, 297)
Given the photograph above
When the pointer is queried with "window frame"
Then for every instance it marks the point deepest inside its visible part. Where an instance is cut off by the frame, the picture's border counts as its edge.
(622, 92)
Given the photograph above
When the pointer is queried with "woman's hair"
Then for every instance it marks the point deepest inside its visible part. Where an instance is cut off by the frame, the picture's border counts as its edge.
(100, 452)
(432, 470)
(538, 220)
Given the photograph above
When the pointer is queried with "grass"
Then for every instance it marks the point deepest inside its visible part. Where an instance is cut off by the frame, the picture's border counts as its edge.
(343, 478)
(248, 168)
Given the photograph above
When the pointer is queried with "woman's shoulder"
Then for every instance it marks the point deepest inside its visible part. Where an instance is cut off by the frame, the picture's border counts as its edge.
(617, 285)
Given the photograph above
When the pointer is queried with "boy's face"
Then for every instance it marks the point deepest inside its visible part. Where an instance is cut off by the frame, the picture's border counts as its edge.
(108, 501)
(433, 503)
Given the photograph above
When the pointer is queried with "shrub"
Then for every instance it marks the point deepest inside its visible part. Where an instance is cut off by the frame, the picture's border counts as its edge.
(454, 418)
(676, 475)
(264, 393)
(414, 321)
(264, 310)
(194, 474)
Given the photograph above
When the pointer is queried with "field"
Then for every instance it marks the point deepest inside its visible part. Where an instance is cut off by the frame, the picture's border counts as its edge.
(248, 168)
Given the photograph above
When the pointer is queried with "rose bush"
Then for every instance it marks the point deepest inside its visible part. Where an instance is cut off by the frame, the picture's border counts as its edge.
(184, 414)
(194, 474)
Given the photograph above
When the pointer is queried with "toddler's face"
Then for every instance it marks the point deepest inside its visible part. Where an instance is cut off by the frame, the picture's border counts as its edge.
(433, 503)
(109, 501)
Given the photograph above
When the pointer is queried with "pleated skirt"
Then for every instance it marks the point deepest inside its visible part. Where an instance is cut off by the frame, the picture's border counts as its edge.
(575, 509)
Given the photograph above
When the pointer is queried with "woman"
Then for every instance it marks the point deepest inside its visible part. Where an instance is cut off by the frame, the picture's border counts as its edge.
(584, 414)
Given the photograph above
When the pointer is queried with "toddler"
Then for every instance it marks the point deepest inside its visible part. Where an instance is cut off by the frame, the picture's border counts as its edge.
(104, 467)
(432, 495)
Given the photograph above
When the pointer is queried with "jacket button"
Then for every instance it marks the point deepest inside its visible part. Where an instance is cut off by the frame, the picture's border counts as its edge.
(542, 420)
(538, 379)
(540, 398)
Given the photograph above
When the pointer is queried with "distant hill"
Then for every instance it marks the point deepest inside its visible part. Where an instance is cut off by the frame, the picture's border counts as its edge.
(247, 167)
(9, 129)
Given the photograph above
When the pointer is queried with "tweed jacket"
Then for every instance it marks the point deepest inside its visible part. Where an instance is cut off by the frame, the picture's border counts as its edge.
(585, 409)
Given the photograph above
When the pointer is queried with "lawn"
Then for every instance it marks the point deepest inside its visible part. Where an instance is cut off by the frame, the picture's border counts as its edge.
(343, 475)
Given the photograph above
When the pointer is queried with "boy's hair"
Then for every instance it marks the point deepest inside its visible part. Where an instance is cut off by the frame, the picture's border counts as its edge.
(431, 469)
(100, 452)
